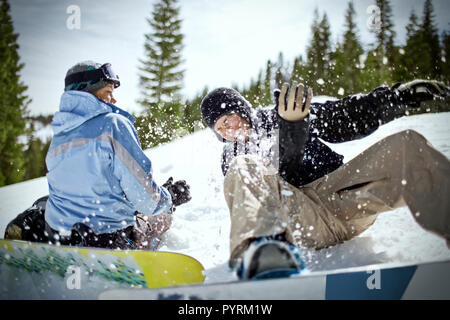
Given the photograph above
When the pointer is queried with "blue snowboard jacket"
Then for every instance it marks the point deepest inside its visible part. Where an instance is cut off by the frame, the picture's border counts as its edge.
(97, 171)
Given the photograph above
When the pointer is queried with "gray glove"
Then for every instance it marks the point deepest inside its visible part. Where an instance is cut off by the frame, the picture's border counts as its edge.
(417, 91)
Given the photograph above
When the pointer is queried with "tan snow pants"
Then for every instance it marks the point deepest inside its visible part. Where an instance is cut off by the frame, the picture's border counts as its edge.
(402, 169)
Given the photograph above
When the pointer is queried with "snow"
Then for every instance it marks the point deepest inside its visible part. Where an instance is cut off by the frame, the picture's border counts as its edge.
(201, 227)
(322, 99)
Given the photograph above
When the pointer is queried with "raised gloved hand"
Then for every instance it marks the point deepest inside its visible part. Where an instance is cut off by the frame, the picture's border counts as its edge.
(295, 107)
(179, 191)
(416, 91)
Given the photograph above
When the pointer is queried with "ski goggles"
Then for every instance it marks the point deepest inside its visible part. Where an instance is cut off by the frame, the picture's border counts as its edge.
(105, 72)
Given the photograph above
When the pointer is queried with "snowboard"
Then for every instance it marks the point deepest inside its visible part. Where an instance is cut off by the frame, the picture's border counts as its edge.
(382, 281)
(42, 271)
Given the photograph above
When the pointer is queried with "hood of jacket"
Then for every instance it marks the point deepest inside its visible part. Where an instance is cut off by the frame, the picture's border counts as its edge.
(77, 107)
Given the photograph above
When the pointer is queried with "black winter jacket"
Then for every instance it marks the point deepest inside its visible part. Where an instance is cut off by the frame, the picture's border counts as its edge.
(301, 157)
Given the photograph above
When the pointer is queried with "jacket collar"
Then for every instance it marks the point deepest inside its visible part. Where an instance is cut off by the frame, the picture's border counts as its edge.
(77, 107)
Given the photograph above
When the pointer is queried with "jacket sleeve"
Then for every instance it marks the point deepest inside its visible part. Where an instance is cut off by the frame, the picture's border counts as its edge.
(292, 140)
(134, 171)
(355, 116)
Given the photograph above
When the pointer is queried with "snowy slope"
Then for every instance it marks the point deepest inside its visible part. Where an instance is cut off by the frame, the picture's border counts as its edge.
(201, 227)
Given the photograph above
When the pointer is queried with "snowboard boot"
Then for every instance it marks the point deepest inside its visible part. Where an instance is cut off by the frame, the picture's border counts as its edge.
(84, 236)
(30, 224)
(267, 258)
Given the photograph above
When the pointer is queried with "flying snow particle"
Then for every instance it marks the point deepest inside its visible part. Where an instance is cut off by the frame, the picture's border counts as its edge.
(320, 81)
(341, 91)
(297, 233)
(404, 182)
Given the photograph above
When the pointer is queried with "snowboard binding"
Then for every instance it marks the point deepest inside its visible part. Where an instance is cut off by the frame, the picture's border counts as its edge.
(267, 258)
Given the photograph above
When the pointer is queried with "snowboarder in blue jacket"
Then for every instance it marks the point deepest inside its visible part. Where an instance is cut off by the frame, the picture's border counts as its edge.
(102, 191)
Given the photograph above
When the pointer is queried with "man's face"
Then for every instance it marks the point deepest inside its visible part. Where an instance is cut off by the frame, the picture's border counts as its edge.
(106, 94)
(232, 127)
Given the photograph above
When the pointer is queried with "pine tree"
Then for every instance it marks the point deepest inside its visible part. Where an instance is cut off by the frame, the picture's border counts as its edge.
(325, 34)
(280, 71)
(446, 57)
(34, 157)
(161, 77)
(255, 91)
(267, 88)
(414, 58)
(347, 71)
(318, 55)
(430, 37)
(379, 64)
(385, 36)
(36, 149)
(313, 53)
(13, 101)
(299, 70)
(192, 114)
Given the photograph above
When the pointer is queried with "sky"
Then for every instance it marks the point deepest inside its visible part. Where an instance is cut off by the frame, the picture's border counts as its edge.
(225, 42)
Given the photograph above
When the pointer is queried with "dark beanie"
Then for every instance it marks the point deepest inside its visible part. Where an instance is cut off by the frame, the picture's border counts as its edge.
(223, 101)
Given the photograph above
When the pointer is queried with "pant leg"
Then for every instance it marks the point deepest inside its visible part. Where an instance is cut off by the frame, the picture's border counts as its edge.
(252, 194)
(402, 169)
(261, 204)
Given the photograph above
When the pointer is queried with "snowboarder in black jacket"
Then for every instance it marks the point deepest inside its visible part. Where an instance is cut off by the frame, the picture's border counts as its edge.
(287, 137)
(335, 121)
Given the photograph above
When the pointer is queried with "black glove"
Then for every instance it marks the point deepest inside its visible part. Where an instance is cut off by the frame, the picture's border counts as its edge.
(179, 191)
(414, 92)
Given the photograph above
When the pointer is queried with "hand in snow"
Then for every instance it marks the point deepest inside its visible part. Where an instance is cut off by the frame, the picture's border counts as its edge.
(295, 107)
(148, 230)
(179, 191)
